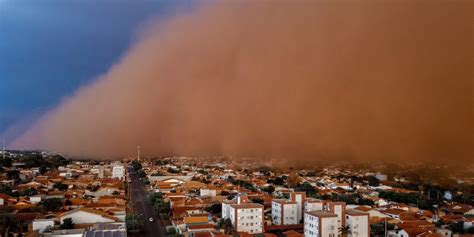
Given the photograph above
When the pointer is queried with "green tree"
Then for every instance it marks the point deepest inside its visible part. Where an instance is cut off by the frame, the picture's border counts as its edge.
(60, 186)
(373, 181)
(28, 192)
(278, 181)
(134, 223)
(51, 204)
(162, 207)
(67, 224)
(345, 230)
(227, 226)
(13, 174)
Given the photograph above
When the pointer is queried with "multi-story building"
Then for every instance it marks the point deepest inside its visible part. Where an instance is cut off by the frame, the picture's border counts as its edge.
(320, 224)
(118, 172)
(313, 205)
(299, 198)
(247, 217)
(284, 212)
(338, 208)
(226, 208)
(241, 198)
(358, 223)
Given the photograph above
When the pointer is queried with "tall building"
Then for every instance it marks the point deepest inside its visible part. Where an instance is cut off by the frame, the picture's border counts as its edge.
(358, 223)
(118, 172)
(313, 205)
(299, 198)
(320, 224)
(338, 208)
(247, 217)
(284, 212)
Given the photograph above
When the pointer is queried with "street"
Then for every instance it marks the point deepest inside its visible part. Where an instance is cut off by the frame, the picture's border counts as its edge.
(142, 206)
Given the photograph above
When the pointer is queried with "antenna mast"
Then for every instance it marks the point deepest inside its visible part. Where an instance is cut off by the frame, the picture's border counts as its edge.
(3, 148)
(138, 153)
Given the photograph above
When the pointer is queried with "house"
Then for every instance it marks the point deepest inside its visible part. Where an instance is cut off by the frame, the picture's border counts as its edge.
(118, 229)
(207, 192)
(87, 216)
(66, 233)
(42, 225)
(320, 224)
(35, 199)
(397, 233)
(4, 198)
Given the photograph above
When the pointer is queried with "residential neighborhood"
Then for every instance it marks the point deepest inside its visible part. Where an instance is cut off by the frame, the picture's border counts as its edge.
(45, 194)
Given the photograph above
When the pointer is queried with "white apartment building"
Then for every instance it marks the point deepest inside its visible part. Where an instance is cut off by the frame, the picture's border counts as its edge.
(299, 198)
(118, 172)
(247, 217)
(338, 208)
(320, 224)
(284, 212)
(358, 223)
(313, 205)
(226, 208)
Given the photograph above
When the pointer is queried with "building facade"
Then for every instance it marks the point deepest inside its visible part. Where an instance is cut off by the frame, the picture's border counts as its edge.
(358, 223)
(284, 212)
(247, 217)
(320, 224)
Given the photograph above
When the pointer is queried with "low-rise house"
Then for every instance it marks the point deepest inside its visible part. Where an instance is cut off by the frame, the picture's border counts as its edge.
(66, 233)
(87, 216)
(42, 225)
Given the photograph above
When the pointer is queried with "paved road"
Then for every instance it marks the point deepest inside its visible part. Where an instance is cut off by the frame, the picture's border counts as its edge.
(142, 205)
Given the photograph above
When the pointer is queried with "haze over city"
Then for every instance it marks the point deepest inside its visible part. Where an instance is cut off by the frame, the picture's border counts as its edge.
(237, 118)
(306, 81)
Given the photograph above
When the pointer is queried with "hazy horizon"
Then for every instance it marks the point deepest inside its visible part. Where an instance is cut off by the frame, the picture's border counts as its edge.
(304, 82)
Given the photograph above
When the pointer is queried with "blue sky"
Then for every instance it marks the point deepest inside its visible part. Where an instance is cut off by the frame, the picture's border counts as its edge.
(49, 48)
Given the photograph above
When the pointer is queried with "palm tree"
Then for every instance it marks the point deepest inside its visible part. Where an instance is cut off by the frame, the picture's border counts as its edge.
(345, 230)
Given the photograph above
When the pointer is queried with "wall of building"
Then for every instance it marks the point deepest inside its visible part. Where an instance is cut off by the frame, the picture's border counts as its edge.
(82, 217)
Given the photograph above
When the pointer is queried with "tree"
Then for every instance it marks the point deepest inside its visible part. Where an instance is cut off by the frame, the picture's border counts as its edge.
(373, 181)
(43, 169)
(307, 188)
(215, 209)
(278, 181)
(227, 226)
(13, 174)
(270, 189)
(52, 204)
(67, 224)
(28, 192)
(61, 186)
(7, 162)
(134, 223)
(258, 200)
(162, 207)
(136, 165)
(345, 230)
